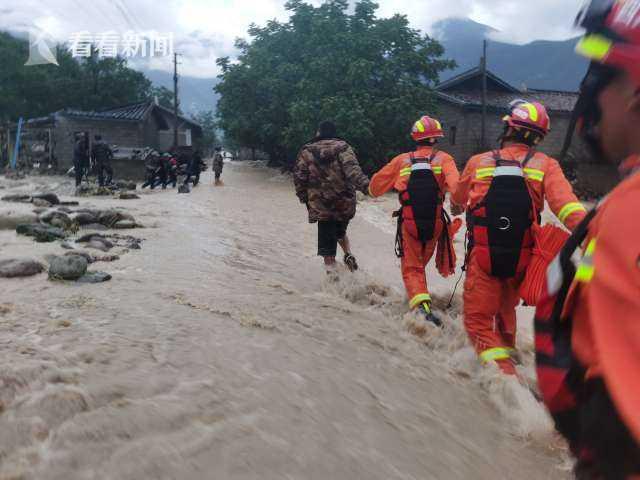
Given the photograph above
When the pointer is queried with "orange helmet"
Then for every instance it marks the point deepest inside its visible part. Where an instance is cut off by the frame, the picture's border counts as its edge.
(530, 116)
(426, 128)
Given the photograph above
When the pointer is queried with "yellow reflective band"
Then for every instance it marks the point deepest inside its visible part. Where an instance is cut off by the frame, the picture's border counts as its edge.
(587, 270)
(485, 172)
(595, 47)
(418, 299)
(438, 125)
(405, 172)
(533, 111)
(494, 354)
(569, 209)
(437, 170)
(534, 174)
(420, 126)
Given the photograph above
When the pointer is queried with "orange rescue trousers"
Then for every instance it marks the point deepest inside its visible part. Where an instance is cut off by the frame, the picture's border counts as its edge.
(490, 315)
(416, 257)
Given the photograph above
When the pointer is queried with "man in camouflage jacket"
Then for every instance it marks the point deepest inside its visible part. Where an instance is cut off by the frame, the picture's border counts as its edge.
(326, 176)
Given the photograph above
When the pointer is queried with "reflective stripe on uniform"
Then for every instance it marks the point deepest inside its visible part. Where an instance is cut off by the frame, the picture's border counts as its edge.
(534, 174)
(418, 299)
(586, 269)
(495, 354)
(405, 172)
(421, 166)
(508, 172)
(569, 209)
(437, 170)
(485, 172)
(595, 47)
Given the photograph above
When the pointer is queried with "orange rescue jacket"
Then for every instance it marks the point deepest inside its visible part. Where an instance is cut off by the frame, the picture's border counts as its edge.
(395, 175)
(544, 176)
(604, 301)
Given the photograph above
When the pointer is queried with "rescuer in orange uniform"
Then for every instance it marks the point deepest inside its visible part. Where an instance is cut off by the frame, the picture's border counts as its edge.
(422, 178)
(504, 192)
(588, 323)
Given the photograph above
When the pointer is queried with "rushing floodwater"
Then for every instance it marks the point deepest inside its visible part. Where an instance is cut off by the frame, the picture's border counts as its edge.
(221, 351)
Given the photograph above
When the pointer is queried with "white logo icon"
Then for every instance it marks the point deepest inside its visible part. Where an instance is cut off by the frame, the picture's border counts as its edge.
(42, 50)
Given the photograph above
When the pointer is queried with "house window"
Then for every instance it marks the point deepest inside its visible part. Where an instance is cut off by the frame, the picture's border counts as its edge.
(453, 134)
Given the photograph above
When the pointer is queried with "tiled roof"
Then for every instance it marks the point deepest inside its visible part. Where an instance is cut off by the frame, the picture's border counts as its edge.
(453, 91)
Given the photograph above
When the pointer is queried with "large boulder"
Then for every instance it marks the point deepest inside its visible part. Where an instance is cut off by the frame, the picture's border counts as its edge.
(128, 196)
(19, 267)
(109, 218)
(125, 185)
(41, 233)
(84, 218)
(124, 225)
(52, 198)
(40, 203)
(57, 219)
(70, 267)
(10, 219)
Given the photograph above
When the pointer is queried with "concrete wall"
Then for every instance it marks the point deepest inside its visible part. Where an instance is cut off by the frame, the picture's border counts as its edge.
(122, 133)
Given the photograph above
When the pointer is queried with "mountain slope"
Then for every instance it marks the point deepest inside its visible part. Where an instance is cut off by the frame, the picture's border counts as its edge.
(542, 64)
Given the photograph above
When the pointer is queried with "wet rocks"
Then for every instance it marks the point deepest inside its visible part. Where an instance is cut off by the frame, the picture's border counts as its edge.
(70, 267)
(17, 198)
(125, 225)
(128, 196)
(95, 277)
(57, 219)
(10, 219)
(110, 217)
(79, 253)
(14, 268)
(41, 233)
(52, 198)
(39, 202)
(125, 185)
(84, 217)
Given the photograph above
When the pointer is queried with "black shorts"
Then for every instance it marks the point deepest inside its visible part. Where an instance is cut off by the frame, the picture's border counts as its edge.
(329, 232)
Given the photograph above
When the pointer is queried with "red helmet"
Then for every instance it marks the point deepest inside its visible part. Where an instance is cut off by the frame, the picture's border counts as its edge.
(530, 116)
(612, 42)
(426, 128)
(613, 34)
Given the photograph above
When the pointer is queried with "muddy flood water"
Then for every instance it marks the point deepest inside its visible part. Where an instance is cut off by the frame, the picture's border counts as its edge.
(221, 350)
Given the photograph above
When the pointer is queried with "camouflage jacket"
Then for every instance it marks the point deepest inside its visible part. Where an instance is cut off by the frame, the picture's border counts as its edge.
(326, 176)
(218, 163)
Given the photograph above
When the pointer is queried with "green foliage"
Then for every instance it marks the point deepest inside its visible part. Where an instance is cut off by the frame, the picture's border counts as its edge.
(88, 84)
(164, 96)
(372, 76)
(209, 138)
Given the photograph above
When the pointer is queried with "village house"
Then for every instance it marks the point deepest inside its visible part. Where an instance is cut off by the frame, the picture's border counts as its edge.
(131, 127)
(459, 107)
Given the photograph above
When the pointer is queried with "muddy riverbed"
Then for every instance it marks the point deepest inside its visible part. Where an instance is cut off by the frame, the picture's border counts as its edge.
(221, 350)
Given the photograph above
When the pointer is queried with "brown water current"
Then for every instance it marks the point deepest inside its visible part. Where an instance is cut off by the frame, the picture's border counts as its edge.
(221, 350)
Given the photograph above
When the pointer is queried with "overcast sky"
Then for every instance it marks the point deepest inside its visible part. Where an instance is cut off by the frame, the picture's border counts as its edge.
(206, 29)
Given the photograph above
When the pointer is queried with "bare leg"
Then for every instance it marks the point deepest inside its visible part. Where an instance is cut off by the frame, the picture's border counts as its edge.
(329, 261)
(345, 245)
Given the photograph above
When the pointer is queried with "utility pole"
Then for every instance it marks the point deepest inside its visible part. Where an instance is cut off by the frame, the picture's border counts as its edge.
(483, 66)
(175, 100)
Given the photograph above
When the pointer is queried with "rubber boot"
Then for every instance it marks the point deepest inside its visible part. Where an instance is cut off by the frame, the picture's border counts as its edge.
(429, 316)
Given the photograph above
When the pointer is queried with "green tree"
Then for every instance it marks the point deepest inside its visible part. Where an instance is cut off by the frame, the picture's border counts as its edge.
(88, 84)
(372, 76)
(164, 97)
(207, 120)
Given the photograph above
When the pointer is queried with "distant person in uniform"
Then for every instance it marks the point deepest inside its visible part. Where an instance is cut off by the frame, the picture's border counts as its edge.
(80, 158)
(102, 156)
(326, 176)
(218, 165)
